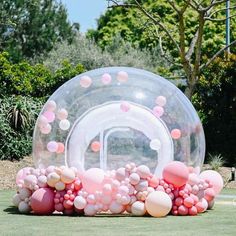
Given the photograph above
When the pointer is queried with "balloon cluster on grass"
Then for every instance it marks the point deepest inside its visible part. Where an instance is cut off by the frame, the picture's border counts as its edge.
(130, 189)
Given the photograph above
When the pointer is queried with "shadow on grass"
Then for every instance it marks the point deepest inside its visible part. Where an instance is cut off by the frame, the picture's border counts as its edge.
(12, 210)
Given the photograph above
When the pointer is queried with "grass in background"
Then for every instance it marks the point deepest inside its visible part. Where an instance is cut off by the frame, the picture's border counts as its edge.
(220, 221)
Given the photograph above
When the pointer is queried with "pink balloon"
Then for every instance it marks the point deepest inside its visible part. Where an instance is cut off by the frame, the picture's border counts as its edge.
(161, 101)
(92, 180)
(188, 202)
(116, 207)
(122, 76)
(62, 114)
(21, 174)
(46, 129)
(50, 116)
(42, 201)
(175, 133)
(176, 173)
(95, 146)
(52, 146)
(209, 194)
(125, 106)
(192, 211)
(106, 78)
(51, 105)
(214, 178)
(158, 111)
(183, 210)
(85, 81)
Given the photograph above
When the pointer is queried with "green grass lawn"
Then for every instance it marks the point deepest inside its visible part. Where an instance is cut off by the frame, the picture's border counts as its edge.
(220, 221)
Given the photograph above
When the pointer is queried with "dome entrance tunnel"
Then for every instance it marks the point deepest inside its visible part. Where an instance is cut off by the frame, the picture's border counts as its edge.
(110, 116)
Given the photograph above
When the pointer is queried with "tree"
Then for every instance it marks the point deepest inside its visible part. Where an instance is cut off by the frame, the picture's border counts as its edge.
(185, 34)
(31, 27)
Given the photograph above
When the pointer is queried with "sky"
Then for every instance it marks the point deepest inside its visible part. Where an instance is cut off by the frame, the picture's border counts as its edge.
(85, 12)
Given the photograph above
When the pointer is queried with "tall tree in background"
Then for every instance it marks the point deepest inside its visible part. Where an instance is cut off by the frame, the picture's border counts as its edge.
(191, 30)
(29, 28)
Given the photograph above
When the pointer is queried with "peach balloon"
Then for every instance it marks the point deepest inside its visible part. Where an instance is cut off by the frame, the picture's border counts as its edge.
(62, 114)
(138, 208)
(161, 101)
(106, 78)
(42, 201)
(60, 148)
(95, 146)
(116, 207)
(122, 76)
(215, 179)
(158, 204)
(67, 175)
(176, 173)
(143, 171)
(92, 180)
(175, 133)
(51, 105)
(85, 81)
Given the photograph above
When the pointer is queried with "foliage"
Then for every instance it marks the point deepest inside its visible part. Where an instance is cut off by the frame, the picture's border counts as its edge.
(216, 102)
(135, 27)
(32, 27)
(33, 80)
(118, 53)
(16, 141)
(215, 161)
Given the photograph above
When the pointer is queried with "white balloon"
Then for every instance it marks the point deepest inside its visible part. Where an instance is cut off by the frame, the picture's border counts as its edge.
(155, 144)
(16, 200)
(138, 208)
(24, 207)
(64, 124)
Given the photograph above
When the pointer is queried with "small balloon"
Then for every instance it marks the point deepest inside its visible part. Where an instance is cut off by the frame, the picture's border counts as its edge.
(158, 111)
(155, 144)
(175, 133)
(95, 146)
(62, 114)
(122, 76)
(49, 115)
(85, 81)
(64, 124)
(106, 78)
(161, 101)
(125, 106)
(52, 146)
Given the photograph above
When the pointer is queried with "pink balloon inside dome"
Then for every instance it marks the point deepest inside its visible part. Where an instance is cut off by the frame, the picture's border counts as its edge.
(46, 129)
(43, 121)
(42, 201)
(158, 111)
(51, 106)
(60, 148)
(122, 76)
(106, 78)
(161, 101)
(50, 116)
(62, 114)
(85, 81)
(92, 180)
(125, 106)
(52, 146)
(95, 146)
(175, 133)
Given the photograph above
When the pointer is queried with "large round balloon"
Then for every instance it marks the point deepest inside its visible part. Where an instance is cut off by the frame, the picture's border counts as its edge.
(107, 117)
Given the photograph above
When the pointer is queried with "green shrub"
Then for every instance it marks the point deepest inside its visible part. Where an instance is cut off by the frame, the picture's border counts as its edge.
(215, 99)
(33, 80)
(17, 143)
(216, 161)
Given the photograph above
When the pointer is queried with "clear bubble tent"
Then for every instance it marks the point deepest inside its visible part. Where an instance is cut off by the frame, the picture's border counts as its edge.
(107, 117)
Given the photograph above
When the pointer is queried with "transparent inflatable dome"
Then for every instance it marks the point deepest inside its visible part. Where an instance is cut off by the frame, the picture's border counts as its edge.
(108, 117)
